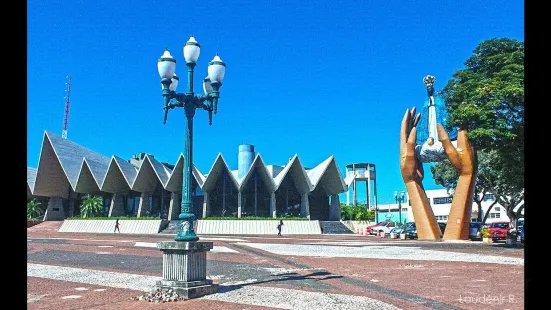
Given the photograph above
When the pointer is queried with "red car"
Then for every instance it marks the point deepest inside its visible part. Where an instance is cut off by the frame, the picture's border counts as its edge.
(368, 228)
(499, 230)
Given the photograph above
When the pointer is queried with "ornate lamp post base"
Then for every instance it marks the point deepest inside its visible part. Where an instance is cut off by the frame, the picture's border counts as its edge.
(185, 268)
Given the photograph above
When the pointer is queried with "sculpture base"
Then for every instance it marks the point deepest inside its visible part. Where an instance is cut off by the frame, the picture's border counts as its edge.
(185, 268)
(190, 289)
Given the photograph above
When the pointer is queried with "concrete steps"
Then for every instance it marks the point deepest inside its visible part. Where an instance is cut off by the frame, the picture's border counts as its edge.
(48, 226)
(334, 227)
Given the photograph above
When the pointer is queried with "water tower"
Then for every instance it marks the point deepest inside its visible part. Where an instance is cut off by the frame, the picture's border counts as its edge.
(362, 172)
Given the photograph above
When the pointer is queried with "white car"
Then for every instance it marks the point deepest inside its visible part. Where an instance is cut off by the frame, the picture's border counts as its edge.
(386, 227)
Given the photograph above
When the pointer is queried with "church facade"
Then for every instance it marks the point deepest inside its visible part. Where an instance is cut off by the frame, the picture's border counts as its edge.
(142, 186)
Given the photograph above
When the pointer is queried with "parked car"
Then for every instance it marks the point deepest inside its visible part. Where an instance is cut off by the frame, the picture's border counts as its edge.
(411, 232)
(385, 227)
(368, 228)
(398, 230)
(474, 232)
(498, 230)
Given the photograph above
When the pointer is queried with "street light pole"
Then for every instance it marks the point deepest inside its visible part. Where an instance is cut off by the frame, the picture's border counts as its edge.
(190, 102)
(399, 200)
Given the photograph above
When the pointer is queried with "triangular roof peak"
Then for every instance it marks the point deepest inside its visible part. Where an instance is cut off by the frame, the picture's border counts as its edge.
(215, 171)
(258, 162)
(303, 182)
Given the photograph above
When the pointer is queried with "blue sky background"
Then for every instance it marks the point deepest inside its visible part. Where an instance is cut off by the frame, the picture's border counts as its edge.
(313, 78)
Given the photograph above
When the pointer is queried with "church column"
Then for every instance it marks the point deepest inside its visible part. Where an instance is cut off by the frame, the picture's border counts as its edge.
(273, 205)
(239, 205)
(206, 205)
(144, 204)
(304, 206)
(175, 206)
(335, 208)
(54, 211)
(117, 206)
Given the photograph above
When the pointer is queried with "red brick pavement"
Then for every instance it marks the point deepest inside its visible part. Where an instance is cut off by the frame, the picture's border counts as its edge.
(445, 282)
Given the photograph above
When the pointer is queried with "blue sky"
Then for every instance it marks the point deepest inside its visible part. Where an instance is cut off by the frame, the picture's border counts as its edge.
(313, 78)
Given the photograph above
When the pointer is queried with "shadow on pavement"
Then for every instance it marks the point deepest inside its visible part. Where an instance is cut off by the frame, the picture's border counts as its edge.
(291, 276)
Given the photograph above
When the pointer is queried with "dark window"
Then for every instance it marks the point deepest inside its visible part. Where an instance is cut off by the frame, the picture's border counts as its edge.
(489, 197)
(500, 225)
(442, 200)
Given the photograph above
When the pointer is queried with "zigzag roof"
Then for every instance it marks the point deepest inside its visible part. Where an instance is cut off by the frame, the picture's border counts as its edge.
(31, 177)
(86, 183)
(64, 164)
(258, 163)
(174, 183)
(297, 172)
(129, 171)
(162, 171)
(51, 178)
(116, 180)
(215, 171)
(148, 175)
(327, 175)
(70, 155)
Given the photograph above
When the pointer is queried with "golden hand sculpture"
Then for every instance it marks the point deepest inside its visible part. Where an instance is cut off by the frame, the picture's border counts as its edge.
(463, 160)
(412, 174)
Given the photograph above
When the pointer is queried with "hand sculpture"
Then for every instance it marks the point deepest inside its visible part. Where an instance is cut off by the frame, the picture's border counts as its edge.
(410, 166)
(412, 174)
(463, 160)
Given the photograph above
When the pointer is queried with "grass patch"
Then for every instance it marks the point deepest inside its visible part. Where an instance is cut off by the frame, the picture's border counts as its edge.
(122, 218)
(256, 218)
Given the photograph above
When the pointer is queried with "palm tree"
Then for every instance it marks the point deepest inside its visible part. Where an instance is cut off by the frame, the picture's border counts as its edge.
(91, 205)
(33, 209)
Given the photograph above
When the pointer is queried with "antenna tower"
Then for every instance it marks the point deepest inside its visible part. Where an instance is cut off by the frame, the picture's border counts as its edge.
(67, 106)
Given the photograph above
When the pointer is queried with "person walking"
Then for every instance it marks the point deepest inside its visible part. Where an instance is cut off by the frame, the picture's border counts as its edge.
(117, 227)
(279, 227)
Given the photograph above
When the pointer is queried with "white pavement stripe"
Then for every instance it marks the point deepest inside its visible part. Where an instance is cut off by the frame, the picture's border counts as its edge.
(212, 238)
(95, 277)
(281, 298)
(215, 249)
(284, 298)
(78, 239)
(382, 252)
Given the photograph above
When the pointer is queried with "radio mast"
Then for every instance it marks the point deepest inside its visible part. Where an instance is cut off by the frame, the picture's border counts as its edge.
(67, 106)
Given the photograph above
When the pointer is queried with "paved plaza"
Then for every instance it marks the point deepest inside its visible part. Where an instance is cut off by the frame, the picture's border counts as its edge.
(106, 271)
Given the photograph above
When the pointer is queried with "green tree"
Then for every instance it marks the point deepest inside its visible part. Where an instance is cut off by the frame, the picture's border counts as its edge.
(33, 209)
(358, 212)
(91, 205)
(444, 174)
(487, 99)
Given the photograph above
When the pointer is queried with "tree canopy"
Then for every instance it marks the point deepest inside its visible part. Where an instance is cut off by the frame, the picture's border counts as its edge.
(487, 99)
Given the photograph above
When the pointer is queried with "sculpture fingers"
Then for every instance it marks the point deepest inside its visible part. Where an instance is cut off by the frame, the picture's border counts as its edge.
(412, 117)
(462, 140)
(420, 171)
(412, 139)
(404, 129)
(451, 152)
(417, 118)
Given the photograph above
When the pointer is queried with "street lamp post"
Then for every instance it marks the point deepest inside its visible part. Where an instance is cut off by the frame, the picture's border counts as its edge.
(399, 199)
(185, 259)
(190, 102)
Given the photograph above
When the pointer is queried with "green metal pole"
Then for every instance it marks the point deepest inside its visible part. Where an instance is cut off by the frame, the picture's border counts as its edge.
(190, 66)
(186, 231)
